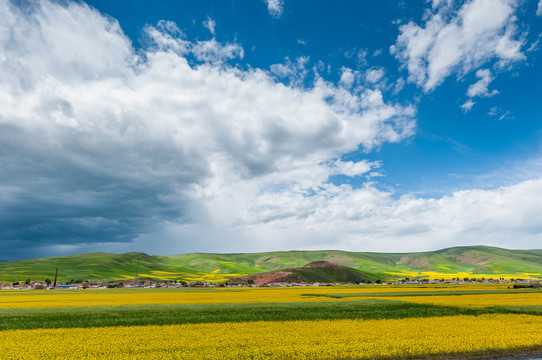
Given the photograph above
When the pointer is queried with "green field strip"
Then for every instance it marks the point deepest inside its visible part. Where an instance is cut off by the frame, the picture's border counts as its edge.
(212, 313)
(519, 309)
(425, 293)
(517, 353)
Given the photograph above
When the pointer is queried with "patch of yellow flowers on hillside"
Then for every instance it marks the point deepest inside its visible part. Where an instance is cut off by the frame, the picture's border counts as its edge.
(323, 339)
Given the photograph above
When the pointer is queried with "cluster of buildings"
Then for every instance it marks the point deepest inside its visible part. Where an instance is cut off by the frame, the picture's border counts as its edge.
(37, 285)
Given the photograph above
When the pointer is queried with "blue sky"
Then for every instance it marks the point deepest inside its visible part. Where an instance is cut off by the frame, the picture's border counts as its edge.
(236, 126)
(451, 149)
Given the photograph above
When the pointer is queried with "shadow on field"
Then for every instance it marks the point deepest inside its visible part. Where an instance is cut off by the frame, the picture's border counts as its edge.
(207, 313)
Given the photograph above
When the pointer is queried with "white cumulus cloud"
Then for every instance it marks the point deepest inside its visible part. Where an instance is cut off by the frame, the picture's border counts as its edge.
(467, 105)
(275, 7)
(480, 88)
(459, 41)
(348, 77)
(210, 24)
(374, 75)
(372, 219)
(351, 168)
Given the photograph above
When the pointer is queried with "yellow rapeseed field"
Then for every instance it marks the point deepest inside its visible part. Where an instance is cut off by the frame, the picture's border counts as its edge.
(323, 339)
(213, 276)
(435, 275)
(116, 297)
(85, 298)
(475, 300)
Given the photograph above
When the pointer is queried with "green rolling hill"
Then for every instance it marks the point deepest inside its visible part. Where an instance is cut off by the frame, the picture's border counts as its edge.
(472, 261)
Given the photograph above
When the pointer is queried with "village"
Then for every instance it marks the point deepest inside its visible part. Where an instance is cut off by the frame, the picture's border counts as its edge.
(148, 284)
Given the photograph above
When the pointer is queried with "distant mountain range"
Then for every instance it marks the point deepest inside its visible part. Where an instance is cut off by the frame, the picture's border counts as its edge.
(471, 261)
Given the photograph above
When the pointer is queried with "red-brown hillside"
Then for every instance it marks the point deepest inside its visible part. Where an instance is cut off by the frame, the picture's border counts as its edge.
(314, 272)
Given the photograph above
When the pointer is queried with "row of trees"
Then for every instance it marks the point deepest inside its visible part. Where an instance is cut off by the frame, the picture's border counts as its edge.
(27, 281)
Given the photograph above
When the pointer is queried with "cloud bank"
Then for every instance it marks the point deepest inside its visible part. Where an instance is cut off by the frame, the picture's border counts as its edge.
(101, 143)
(174, 148)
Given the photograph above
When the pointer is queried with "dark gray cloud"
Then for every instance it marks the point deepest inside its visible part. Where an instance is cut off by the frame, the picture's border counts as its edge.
(71, 195)
(102, 144)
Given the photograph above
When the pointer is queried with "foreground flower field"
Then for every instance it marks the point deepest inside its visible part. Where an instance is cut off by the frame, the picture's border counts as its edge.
(361, 323)
(337, 339)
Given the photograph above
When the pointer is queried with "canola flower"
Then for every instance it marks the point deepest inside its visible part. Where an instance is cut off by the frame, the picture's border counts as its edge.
(436, 275)
(121, 297)
(85, 298)
(474, 300)
(214, 276)
(322, 339)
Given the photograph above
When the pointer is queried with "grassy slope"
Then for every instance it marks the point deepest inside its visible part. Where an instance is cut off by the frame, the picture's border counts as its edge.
(103, 266)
